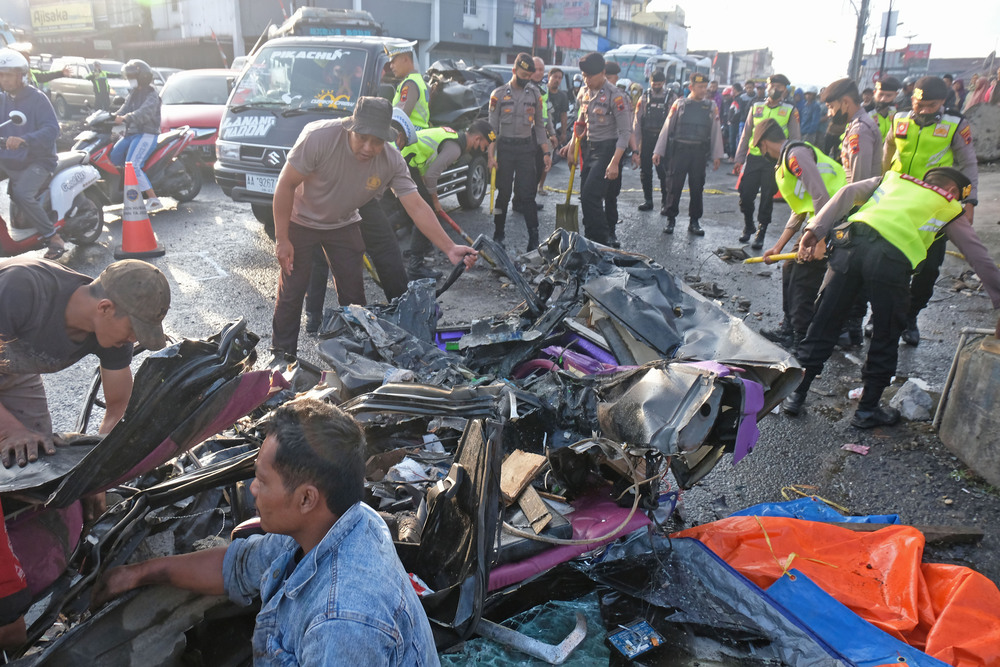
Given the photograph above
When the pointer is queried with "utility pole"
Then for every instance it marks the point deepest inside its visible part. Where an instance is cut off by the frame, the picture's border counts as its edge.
(886, 29)
(859, 41)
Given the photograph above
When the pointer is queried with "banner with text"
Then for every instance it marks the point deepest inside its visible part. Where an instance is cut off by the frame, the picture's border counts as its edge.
(62, 17)
(568, 14)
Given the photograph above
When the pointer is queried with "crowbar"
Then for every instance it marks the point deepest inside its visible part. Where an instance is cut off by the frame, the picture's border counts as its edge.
(468, 239)
(777, 258)
(554, 655)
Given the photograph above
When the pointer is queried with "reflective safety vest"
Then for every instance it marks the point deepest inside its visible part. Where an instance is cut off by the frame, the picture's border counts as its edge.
(426, 147)
(884, 122)
(791, 186)
(908, 213)
(421, 114)
(920, 149)
(781, 113)
(545, 102)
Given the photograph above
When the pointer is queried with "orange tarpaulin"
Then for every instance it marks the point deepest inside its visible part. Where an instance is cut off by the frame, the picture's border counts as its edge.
(952, 613)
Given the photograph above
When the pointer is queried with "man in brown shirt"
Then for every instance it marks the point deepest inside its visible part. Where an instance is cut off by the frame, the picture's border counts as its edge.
(335, 167)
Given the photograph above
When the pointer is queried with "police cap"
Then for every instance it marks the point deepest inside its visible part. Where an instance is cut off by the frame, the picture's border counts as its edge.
(839, 88)
(612, 68)
(953, 175)
(778, 78)
(697, 77)
(658, 75)
(767, 129)
(890, 84)
(592, 63)
(525, 63)
(930, 88)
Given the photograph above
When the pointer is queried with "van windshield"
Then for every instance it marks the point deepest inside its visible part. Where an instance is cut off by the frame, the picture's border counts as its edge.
(302, 77)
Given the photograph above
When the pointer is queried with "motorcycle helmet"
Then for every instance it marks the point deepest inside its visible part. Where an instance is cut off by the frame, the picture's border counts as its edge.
(11, 60)
(138, 70)
(402, 123)
(674, 86)
(623, 83)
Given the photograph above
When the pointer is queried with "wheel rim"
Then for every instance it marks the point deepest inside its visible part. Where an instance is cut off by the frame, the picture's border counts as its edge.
(478, 184)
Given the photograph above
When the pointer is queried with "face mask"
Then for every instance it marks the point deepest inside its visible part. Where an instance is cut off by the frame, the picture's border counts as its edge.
(883, 106)
(839, 118)
(133, 83)
(520, 83)
(925, 119)
(775, 94)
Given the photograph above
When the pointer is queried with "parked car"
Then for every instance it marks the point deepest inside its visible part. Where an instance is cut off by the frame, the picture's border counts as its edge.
(166, 72)
(75, 92)
(197, 98)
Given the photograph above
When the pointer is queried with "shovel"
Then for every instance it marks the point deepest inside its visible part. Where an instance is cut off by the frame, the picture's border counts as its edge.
(567, 214)
(493, 189)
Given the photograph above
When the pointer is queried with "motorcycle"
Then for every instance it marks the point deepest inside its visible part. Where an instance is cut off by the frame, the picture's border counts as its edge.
(66, 199)
(169, 171)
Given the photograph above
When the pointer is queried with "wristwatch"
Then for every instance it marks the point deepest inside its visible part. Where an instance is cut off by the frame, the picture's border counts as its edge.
(971, 200)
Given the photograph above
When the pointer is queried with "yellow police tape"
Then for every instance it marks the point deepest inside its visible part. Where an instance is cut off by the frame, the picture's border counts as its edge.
(959, 255)
(707, 191)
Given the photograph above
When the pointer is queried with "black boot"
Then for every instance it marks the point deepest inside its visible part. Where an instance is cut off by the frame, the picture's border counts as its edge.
(646, 205)
(794, 341)
(758, 240)
(794, 403)
(911, 334)
(669, 229)
(748, 230)
(854, 331)
(782, 335)
(695, 228)
(532, 239)
(876, 417)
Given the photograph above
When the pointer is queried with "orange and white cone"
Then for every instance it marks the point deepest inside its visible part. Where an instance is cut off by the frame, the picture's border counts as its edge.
(138, 239)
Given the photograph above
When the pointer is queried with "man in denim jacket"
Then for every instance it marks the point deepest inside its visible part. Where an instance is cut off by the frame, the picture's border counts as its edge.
(332, 589)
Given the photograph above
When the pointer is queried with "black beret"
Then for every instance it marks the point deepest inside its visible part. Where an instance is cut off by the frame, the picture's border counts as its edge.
(658, 75)
(525, 62)
(889, 84)
(592, 63)
(697, 77)
(779, 78)
(767, 129)
(930, 88)
(839, 88)
(612, 68)
(956, 177)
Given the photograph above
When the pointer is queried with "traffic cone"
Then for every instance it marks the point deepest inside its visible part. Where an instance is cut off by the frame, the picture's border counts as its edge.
(138, 239)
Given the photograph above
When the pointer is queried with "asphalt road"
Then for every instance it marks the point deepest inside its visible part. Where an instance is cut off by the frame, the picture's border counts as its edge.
(221, 268)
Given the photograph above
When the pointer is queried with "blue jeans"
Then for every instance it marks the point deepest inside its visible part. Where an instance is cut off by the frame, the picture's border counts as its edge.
(135, 148)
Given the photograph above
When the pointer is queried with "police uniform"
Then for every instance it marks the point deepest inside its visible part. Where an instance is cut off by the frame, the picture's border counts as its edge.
(615, 188)
(860, 152)
(650, 116)
(608, 121)
(516, 118)
(912, 149)
(691, 136)
(758, 173)
(883, 117)
(412, 84)
(882, 242)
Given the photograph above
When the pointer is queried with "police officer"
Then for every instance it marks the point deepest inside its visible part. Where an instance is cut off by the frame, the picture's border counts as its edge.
(757, 172)
(885, 104)
(691, 135)
(612, 72)
(650, 115)
(412, 95)
(516, 119)
(925, 137)
(904, 100)
(102, 93)
(859, 148)
(877, 248)
(537, 80)
(436, 149)
(806, 178)
(604, 113)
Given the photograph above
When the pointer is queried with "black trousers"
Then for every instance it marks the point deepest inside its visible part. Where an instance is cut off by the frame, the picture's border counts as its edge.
(516, 172)
(686, 161)
(646, 169)
(804, 282)
(382, 249)
(611, 201)
(922, 284)
(758, 175)
(873, 266)
(594, 187)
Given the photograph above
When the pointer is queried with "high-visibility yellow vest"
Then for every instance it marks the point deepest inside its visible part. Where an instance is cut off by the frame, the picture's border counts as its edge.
(426, 147)
(421, 114)
(884, 122)
(794, 190)
(920, 149)
(781, 113)
(908, 213)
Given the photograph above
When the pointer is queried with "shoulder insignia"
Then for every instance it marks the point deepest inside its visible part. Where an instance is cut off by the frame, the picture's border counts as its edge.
(620, 103)
(403, 91)
(795, 114)
(493, 102)
(966, 133)
(794, 167)
(853, 144)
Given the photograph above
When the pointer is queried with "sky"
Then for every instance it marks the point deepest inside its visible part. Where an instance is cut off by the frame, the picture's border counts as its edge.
(811, 40)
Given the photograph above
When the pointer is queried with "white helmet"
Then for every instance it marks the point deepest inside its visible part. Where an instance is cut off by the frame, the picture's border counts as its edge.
(403, 122)
(623, 83)
(810, 89)
(12, 60)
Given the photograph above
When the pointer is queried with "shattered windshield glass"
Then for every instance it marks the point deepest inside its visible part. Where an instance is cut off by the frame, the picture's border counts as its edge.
(303, 78)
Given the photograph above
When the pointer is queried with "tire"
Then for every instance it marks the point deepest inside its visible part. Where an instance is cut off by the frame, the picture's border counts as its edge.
(88, 221)
(264, 215)
(63, 109)
(476, 181)
(193, 178)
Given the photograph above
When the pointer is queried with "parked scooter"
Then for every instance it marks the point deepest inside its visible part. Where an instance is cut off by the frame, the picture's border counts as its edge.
(66, 199)
(169, 172)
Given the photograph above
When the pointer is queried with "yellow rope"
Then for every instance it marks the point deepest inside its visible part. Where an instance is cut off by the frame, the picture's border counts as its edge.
(787, 565)
(707, 191)
(796, 489)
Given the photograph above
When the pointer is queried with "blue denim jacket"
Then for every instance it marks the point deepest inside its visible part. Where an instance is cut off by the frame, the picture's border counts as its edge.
(346, 602)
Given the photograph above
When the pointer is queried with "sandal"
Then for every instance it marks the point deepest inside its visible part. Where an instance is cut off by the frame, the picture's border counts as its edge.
(54, 252)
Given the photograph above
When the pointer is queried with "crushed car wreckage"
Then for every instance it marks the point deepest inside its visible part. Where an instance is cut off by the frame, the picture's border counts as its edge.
(495, 452)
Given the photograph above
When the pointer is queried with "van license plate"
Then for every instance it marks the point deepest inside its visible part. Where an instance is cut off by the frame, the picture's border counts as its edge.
(263, 184)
